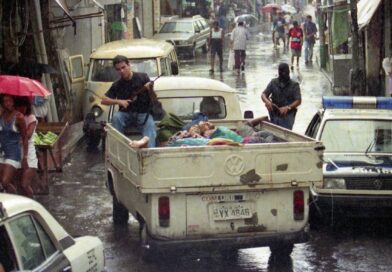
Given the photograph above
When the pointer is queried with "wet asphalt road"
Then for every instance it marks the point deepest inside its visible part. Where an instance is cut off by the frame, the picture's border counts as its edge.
(79, 200)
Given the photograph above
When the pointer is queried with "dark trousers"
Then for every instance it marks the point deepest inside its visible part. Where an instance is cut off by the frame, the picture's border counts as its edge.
(239, 58)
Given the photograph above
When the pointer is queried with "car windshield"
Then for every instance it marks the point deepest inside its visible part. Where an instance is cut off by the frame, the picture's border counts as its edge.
(362, 136)
(177, 27)
(103, 70)
(184, 107)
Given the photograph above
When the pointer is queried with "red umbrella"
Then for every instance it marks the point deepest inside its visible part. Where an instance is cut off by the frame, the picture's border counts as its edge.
(22, 86)
(270, 7)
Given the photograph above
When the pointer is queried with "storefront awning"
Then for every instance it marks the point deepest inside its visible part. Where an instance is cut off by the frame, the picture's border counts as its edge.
(366, 10)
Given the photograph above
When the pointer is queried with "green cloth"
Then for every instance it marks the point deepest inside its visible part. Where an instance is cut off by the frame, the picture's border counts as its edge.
(226, 133)
(117, 25)
(168, 126)
(340, 26)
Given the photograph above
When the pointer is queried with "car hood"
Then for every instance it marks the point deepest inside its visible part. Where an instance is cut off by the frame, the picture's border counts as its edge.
(173, 36)
(358, 164)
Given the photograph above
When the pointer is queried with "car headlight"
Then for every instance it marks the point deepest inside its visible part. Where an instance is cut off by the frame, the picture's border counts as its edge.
(97, 111)
(334, 183)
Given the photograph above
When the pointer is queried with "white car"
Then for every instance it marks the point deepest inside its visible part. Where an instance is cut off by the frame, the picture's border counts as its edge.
(357, 134)
(32, 240)
(186, 34)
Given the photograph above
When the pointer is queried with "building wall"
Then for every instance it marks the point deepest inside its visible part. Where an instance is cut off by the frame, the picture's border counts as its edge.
(373, 53)
(148, 18)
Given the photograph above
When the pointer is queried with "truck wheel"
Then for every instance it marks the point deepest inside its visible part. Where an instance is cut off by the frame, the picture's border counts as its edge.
(92, 142)
(120, 213)
(281, 250)
(146, 254)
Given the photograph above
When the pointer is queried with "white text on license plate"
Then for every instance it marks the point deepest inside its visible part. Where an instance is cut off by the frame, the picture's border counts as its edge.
(228, 211)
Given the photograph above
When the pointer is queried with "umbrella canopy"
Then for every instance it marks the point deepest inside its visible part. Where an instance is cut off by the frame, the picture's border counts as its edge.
(22, 86)
(289, 9)
(249, 19)
(270, 7)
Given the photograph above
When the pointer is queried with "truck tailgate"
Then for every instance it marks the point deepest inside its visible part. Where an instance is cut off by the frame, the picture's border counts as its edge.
(272, 165)
(242, 212)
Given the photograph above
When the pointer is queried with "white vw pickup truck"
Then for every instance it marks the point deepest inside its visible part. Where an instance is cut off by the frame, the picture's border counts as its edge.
(219, 197)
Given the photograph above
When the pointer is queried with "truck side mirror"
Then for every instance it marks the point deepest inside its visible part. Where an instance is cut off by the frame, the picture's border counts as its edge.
(248, 114)
(174, 68)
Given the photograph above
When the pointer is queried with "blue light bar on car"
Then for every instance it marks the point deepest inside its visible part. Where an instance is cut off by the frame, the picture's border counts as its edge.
(357, 102)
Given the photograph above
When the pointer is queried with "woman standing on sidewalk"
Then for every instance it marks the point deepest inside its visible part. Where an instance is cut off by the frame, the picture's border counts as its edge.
(12, 134)
(24, 106)
(216, 45)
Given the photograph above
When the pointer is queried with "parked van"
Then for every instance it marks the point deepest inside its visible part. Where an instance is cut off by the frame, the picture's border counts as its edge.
(156, 58)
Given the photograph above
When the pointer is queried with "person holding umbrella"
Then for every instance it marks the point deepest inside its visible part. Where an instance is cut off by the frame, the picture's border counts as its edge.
(13, 135)
(13, 140)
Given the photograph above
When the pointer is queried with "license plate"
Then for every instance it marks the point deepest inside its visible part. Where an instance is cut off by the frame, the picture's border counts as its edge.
(229, 211)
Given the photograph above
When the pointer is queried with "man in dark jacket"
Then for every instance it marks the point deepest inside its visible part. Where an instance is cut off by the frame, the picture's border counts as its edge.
(282, 97)
(135, 104)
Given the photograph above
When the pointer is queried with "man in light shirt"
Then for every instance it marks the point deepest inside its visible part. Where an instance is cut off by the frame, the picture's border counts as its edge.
(239, 38)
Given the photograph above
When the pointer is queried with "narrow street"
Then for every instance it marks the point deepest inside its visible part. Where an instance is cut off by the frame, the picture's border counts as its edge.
(80, 201)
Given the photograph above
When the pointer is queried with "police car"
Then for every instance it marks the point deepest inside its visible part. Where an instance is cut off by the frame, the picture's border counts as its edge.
(32, 240)
(357, 134)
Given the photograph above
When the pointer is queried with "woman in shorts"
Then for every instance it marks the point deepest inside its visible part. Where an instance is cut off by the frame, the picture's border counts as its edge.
(216, 45)
(13, 142)
(24, 106)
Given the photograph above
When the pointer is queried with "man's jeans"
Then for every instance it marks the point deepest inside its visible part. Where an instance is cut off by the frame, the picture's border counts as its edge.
(121, 120)
(283, 121)
(308, 50)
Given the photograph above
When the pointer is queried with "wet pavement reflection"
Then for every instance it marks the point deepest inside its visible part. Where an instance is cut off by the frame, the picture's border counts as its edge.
(80, 201)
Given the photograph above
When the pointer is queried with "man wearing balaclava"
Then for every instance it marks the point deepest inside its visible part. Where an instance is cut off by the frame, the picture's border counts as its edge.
(282, 97)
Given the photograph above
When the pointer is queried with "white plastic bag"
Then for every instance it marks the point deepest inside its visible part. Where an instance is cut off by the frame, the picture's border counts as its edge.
(230, 63)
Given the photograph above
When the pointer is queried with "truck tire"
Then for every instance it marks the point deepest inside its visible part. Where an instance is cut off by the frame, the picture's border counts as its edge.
(92, 143)
(146, 254)
(281, 250)
(120, 213)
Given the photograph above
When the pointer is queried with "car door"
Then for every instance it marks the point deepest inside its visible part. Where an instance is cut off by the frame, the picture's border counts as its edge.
(33, 245)
(76, 70)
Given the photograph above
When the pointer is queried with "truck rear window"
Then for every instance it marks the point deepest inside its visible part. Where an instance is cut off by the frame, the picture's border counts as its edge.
(212, 106)
(103, 70)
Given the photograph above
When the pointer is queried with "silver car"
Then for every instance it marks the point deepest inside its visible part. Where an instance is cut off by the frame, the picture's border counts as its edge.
(186, 34)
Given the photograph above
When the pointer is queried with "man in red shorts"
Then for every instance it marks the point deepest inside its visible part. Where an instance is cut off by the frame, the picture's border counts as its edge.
(295, 38)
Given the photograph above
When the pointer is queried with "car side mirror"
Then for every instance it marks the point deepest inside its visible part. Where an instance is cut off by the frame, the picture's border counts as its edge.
(174, 67)
(248, 114)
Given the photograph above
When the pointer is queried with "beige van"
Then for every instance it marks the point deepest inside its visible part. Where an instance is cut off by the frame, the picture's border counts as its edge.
(156, 58)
